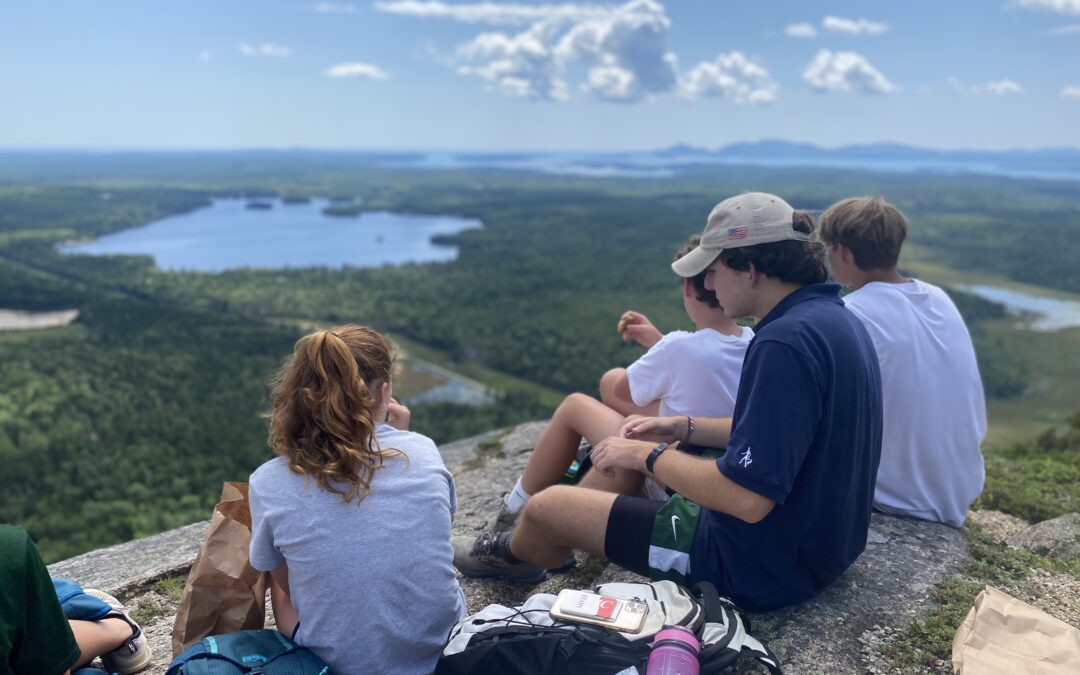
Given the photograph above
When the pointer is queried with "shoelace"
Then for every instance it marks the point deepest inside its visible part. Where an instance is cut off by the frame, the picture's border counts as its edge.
(487, 544)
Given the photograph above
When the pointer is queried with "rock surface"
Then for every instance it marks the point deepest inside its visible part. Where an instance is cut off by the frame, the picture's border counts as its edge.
(834, 633)
(1056, 538)
(123, 568)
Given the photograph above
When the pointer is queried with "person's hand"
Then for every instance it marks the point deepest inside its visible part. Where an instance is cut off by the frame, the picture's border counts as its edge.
(637, 327)
(655, 429)
(620, 453)
(397, 415)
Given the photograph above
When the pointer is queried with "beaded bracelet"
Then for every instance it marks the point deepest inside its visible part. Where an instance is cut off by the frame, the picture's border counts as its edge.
(689, 429)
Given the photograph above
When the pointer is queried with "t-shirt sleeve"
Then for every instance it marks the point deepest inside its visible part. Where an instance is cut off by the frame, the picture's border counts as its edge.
(45, 644)
(263, 554)
(651, 376)
(780, 407)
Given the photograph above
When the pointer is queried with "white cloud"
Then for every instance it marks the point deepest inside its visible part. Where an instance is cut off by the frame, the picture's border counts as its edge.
(504, 14)
(627, 52)
(1071, 91)
(623, 49)
(800, 30)
(519, 65)
(334, 8)
(264, 49)
(1072, 29)
(846, 71)
(1056, 6)
(836, 24)
(732, 76)
(205, 55)
(356, 70)
(1005, 87)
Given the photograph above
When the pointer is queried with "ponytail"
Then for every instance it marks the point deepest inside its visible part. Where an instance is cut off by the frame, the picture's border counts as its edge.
(323, 412)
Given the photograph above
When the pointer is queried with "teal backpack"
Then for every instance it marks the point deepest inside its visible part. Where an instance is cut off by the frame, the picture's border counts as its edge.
(248, 652)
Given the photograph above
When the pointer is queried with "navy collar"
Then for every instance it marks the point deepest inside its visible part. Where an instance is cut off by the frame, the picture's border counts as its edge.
(827, 291)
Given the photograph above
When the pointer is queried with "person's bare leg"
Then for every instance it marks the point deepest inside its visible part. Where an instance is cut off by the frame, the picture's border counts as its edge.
(98, 637)
(615, 394)
(578, 416)
(560, 519)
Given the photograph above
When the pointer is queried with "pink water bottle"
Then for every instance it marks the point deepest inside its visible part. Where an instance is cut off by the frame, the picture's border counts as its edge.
(674, 652)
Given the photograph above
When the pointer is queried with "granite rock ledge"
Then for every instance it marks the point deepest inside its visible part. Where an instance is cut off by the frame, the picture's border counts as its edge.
(887, 587)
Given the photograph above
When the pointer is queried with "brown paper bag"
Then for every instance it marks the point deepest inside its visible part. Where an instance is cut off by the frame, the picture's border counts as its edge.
(224, 593)
(1004, 635)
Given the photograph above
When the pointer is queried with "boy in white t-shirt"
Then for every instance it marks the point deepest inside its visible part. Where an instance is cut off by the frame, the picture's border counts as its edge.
(691, 374)
(934, 408)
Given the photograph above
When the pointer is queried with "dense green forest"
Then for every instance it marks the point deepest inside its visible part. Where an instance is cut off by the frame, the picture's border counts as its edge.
(125, 422)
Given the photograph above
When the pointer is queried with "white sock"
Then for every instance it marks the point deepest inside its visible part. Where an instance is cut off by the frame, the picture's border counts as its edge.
(516, 498)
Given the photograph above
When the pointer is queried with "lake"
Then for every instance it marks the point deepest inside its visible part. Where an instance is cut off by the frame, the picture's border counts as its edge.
(229, 235)
(1046, 314)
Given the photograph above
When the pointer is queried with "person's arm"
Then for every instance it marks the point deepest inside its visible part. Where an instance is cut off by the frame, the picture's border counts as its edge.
(695, 478)
(709, 432)
(639, 329)
(285, 615)
(615, 394)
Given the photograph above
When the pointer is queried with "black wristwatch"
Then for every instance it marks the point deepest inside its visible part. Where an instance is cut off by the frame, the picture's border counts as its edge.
(656, 452)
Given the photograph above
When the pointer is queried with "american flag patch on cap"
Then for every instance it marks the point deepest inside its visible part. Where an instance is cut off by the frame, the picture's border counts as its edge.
(736, 233)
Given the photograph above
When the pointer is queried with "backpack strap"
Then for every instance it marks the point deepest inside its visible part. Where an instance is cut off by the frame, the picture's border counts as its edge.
(725, 635)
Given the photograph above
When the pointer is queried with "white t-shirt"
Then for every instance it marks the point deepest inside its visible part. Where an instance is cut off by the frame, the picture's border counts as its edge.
(934, 409)
(691, 373)
(373, 582)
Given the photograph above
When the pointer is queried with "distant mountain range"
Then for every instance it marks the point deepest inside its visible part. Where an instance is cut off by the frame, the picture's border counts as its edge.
(776, 149)
(1043, 163)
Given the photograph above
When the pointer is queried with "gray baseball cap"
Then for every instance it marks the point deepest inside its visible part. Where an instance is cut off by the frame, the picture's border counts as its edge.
(745, 220)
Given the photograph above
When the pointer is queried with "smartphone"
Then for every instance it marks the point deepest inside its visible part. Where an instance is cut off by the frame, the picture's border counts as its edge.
(627, 616)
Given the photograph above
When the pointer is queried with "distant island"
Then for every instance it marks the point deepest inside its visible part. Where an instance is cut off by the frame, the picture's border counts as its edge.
(445, 239)
(343, 210)
(258, 205)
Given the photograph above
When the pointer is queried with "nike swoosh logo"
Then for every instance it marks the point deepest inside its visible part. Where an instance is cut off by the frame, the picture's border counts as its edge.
(674, 521)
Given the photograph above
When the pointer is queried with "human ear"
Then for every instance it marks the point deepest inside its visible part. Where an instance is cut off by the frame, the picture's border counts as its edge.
(845, 254)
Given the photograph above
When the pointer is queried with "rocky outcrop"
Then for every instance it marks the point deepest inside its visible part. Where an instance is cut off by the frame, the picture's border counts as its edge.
(834, 633)
(1055, 538)
(125, 568)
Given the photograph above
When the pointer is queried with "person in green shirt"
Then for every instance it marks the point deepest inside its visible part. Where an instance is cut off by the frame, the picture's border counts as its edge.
(36, 638)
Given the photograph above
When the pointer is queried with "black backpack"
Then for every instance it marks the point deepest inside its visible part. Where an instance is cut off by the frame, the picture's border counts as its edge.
(526, 640)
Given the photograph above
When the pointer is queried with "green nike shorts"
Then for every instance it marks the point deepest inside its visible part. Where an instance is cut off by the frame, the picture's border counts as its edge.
(652, 538)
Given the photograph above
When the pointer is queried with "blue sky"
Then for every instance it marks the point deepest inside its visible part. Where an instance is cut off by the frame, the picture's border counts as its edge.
(425, 74)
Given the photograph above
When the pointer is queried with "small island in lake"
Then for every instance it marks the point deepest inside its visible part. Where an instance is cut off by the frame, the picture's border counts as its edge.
(259, 205)
(349, 210)
(444, 239)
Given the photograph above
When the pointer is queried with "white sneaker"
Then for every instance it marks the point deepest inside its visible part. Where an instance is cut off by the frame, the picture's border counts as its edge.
(134, 655)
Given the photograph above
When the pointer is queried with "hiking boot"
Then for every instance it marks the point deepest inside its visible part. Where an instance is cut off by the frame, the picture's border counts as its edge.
(132, 656)
(570, 563)
(488, 555)
(505, 521)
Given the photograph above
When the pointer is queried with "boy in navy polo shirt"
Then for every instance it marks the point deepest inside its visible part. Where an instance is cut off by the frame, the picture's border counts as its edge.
(787, 508)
